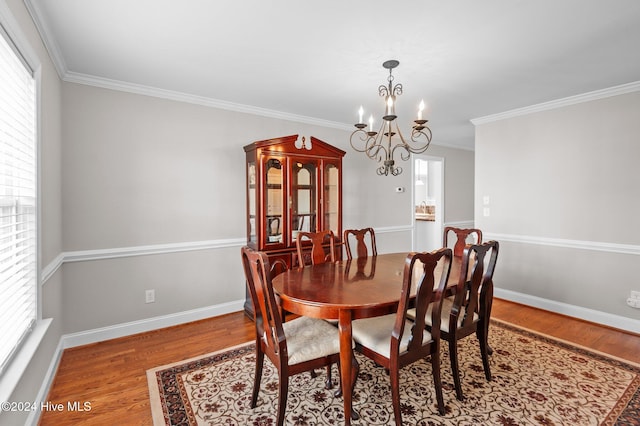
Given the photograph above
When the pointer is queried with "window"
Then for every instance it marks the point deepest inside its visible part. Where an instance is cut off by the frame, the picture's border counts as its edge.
(18, 190)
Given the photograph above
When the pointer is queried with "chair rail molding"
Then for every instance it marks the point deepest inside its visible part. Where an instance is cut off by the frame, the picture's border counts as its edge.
(566, 243)
(113, 253)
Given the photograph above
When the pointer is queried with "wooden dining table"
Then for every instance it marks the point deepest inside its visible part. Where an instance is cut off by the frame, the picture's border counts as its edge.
(347, 290)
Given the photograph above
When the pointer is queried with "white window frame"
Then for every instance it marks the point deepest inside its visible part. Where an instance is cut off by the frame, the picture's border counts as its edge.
(17, 367)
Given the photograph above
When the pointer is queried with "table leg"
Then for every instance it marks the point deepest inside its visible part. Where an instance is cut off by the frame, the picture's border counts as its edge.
(346, 367)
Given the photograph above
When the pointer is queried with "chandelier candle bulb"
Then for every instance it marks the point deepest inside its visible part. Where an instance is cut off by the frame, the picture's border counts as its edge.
(420, 109)
(371, 123)
(360, 113)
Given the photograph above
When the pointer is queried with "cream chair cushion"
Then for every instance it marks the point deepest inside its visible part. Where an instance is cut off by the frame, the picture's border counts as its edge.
(447, 304)
(310, 338)
(375, 334)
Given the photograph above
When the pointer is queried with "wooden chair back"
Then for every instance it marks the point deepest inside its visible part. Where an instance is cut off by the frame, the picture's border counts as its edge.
(360, 242)
(426, 293)
(267, 313)
(410, 341)
(470, 310)
(474, 292)
(318, 241)
(271, 339)
(462, 235)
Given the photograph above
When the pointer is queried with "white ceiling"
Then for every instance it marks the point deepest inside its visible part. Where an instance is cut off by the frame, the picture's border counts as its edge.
(322, 60)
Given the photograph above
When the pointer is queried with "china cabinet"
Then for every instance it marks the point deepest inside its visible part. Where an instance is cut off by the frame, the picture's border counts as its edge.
(293, 185)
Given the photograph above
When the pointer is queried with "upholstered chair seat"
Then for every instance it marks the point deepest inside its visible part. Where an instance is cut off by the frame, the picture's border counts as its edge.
(374, 334)
(310, 338)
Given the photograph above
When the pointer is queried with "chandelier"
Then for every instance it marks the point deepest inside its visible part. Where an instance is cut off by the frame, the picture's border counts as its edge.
(381, 145)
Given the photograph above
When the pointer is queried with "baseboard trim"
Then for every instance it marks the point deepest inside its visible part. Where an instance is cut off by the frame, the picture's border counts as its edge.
(591, 315)
(126, 329)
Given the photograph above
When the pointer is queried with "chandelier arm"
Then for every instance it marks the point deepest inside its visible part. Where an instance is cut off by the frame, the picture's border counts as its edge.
(362, 136)
(407, 149)
(373, 152)
(397, 89)
(425, 134)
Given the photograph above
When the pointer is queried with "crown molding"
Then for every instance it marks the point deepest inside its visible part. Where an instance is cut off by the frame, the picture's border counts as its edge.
(559, 103)
(49, 41)
(105, 83)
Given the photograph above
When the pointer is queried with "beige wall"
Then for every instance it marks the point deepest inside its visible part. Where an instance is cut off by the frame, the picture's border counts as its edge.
(563, 190)
(140, 171)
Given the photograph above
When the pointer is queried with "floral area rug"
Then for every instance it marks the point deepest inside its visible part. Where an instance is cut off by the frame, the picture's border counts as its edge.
(536, 381)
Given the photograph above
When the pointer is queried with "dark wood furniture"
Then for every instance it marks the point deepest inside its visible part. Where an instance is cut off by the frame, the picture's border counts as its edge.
(394, 341)
(468, 311)
(317, 253)
(334, 291)
(360, 236)
(294, 184)
(293, 347)
(461, 238)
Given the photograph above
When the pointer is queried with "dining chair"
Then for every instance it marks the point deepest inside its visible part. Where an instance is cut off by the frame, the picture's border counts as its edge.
(468, 311)
(462, 234)
(293, 347)
(360, 242)
(318, 241)
(317, 256)
(394, 341)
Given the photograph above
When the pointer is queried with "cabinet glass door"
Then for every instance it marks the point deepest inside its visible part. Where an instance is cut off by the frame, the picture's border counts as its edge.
(251, 200)
(331, 198)
(273, 201)
(303, 197)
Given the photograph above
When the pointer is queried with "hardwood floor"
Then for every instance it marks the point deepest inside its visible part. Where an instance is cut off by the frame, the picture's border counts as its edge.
(111, 375)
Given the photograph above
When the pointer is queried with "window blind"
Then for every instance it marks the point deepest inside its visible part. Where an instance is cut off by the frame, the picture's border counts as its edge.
(18, 191)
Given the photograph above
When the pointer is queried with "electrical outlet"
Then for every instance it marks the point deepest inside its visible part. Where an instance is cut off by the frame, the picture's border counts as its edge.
(634, 303)
(149, 296)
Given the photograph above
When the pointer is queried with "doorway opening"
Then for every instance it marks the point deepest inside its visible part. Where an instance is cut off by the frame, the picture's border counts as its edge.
(428, 202)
